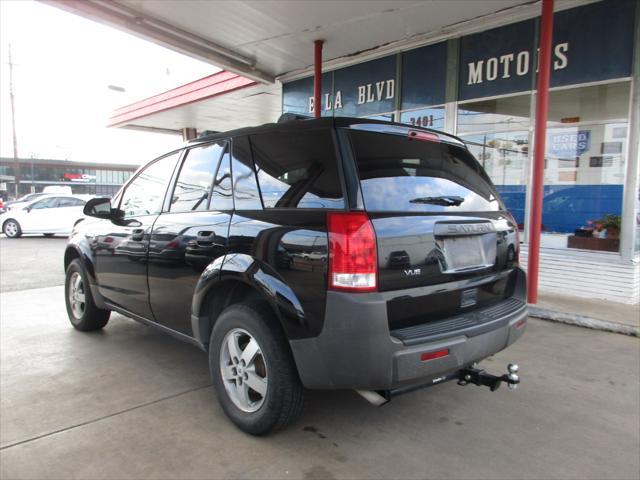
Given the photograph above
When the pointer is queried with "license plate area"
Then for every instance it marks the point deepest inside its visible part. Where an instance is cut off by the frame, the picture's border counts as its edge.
(466, 247)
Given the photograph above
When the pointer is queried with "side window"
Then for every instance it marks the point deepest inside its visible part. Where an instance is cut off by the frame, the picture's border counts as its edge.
(195, 180)
(145, 194)
(245, 187)
(297, 170)
(69, 202)
(222, 198)
(45, 203)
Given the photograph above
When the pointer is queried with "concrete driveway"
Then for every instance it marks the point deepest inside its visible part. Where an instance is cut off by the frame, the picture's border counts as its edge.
(132, 403)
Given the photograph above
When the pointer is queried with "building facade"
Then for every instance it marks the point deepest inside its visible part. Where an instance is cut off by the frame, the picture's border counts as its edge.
(481, 87)
(83, 177)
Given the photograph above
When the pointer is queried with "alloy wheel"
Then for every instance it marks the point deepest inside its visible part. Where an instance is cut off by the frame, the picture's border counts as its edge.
(77, 295)
(11, 228)
(243, 369)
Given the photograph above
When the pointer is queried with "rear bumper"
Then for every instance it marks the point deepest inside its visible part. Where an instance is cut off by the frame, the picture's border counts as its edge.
(356, 350)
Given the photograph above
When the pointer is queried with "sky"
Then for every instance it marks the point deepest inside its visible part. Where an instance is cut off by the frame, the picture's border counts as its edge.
(63, 65)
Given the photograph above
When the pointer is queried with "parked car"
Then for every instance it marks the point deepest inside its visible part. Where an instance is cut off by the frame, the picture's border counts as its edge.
(47, 214)
(204, 244)
(22, 201)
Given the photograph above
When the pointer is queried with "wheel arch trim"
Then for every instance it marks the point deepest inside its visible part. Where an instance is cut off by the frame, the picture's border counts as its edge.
(263, 281)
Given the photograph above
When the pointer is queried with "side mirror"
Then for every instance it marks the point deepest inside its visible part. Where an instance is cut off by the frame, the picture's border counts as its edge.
(99, 208)
(28, 209)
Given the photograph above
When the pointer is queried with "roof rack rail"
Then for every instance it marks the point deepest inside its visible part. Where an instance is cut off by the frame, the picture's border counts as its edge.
(290, 117)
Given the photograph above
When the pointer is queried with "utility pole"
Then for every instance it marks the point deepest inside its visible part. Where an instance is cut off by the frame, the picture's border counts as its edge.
(16, 168)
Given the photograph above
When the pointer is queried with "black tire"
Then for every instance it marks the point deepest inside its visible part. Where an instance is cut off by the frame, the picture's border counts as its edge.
(11, 228)
(90, 317)
(284, 397)
(48, 235)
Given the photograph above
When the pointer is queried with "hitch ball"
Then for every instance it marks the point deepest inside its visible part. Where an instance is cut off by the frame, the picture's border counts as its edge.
(513, 376)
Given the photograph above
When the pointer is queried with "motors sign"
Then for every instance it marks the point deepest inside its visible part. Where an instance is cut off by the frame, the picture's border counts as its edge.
(504, 60)
(511, 64)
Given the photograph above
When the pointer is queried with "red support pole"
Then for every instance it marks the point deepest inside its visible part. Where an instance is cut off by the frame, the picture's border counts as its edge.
(317, 78)
(539, 148)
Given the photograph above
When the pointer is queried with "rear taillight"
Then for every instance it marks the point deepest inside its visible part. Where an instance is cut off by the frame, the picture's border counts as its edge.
(353, 259)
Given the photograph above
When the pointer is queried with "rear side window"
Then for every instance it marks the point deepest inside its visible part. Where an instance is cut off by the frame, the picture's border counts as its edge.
(297, 170)
(193, 188)
(402, 174)
(70, 202)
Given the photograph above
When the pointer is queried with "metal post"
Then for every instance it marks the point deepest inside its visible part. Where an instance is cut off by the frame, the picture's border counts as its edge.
(189, 134)
(539, 148)
(317, 78)
(16, 168)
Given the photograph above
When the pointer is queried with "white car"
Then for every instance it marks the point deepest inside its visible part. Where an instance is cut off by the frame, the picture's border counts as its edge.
(49, 215)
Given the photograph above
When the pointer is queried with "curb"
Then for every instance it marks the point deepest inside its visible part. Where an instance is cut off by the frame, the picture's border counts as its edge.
(583, 321)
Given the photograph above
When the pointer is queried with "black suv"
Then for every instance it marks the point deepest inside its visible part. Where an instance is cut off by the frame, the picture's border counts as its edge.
(335, 253)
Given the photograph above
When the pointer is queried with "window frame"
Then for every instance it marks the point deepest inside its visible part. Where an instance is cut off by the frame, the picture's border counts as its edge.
(120, 195)
(226, 151)
(252, 166)
(166, 207)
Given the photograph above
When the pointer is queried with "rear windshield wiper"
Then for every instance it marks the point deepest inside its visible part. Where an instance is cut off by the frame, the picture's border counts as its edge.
(444, 200)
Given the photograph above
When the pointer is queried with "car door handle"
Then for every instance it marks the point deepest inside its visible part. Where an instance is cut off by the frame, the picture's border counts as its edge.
(137, 235)
(206, 238)
(204, 235)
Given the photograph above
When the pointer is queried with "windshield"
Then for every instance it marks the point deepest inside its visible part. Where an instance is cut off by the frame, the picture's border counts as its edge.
(402, 174)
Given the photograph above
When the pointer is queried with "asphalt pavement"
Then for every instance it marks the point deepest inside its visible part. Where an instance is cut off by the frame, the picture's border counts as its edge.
(129, 402)
(31, 262)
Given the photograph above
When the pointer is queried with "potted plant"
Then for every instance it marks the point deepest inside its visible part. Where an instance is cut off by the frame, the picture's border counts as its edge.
(611, 223)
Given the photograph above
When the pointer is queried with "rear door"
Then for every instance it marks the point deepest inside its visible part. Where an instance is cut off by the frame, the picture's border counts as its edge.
(191, 234)
(437, 217)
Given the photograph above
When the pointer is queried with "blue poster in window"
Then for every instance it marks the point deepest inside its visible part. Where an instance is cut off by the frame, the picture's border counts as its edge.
(569, 144)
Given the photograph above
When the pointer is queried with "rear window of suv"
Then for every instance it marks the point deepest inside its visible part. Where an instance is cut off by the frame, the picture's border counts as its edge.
(297, 170)
(402, 174)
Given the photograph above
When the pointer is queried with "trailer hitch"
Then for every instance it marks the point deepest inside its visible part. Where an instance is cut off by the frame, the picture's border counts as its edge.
(478, 376)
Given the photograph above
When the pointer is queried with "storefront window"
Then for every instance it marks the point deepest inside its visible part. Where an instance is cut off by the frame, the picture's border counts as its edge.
(503, 155)
(498, 114)
(497, 133)
(585, 165)
(431, 117)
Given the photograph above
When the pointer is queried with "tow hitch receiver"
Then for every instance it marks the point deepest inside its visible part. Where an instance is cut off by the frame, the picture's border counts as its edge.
(481, 377)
